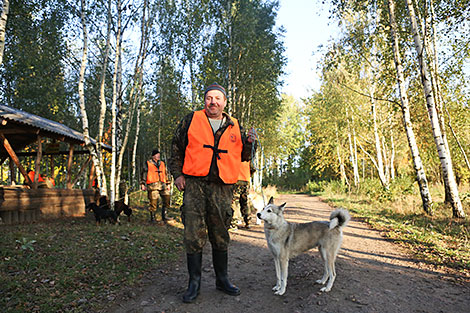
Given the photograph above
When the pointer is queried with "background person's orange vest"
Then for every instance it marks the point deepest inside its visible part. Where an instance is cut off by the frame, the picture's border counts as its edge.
(244, 171)
(200, 149)
(155, 174)
(31, 176)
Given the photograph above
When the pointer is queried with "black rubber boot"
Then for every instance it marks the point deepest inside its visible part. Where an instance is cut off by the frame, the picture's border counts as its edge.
(194, 270)
(152, 217)
(220, 259)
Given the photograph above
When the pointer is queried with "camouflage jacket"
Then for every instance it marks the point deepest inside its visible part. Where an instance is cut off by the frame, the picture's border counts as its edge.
(180, 141)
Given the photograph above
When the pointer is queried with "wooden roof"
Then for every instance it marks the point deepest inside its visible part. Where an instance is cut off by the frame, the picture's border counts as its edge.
(22, 128)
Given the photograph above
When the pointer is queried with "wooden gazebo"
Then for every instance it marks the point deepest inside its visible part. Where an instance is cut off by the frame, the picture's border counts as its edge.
(27, 202)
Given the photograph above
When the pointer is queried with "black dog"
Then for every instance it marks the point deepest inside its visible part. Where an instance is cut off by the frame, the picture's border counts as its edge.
(102, 213)
(120, 206)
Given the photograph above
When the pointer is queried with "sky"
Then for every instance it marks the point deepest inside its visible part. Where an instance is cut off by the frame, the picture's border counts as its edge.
(307, 26)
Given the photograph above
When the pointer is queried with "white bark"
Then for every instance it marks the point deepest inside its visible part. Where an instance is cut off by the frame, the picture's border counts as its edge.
(418, 165)
(136, 90)
(117, 58)
(81, 94)
(134, 180)
(452, 193)
(3, 26)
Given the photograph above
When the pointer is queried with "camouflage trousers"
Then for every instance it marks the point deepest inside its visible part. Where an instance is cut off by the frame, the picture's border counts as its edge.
(240, 193)
(155, 191)
(206, 212)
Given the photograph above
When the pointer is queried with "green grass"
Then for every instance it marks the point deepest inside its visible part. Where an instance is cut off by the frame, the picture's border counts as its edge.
(73, 265)
(439, 240)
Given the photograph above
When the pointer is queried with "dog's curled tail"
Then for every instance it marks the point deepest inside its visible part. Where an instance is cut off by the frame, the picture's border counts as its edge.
(339, 218)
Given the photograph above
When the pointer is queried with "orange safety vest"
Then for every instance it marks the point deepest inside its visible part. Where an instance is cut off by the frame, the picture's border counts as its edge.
(200, 149)
(244, 171)
(155, 174)
(31, 176)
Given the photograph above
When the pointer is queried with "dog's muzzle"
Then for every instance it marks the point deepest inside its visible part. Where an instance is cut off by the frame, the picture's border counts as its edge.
(258, 215)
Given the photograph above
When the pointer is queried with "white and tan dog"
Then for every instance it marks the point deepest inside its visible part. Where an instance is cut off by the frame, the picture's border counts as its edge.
(287, 240)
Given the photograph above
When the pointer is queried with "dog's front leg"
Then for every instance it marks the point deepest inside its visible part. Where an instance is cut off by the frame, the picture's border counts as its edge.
(284, 264)
(278, 274)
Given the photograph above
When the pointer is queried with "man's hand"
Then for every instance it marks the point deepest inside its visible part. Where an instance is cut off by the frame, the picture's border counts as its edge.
(180, 183)
(251, 135)
(143, 187)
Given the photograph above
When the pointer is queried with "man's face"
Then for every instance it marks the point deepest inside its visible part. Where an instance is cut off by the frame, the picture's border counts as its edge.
(214, 103)
(156, 157)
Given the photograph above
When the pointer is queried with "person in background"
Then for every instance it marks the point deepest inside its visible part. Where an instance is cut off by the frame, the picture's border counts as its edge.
(43, 182)
(240, 192)
(154, 179)
(207, 149)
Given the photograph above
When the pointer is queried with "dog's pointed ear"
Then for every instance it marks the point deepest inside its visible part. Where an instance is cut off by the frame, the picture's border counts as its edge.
(271, 201)
(283, 206)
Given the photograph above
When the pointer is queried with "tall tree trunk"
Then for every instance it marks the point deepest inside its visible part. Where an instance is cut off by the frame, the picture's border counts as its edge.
(405, 108)
(344, 178)
(103, 106)
(81, 93)
(3, 26)
(134, 180)
(452, 192)
(114, 104)
(136, 90)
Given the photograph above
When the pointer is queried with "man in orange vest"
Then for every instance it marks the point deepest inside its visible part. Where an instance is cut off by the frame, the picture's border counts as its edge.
(207, 150)
(41, 182)
(240, 192)
(154, 179)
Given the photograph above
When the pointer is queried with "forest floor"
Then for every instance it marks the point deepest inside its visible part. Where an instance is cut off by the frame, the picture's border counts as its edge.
(373, 275)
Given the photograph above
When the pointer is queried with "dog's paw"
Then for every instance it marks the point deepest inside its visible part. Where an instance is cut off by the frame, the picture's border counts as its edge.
(280, 292)
(325, 289)
(320, 282)
(276, 288)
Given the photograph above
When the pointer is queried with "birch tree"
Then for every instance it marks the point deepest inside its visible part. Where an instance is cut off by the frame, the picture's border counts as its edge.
(417, 163)
(135, 95)
(81, 93)
(3, 26)
(452, 193)
(103, 106)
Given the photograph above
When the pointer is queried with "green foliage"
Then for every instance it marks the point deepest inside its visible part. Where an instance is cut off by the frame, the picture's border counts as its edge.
(26, 244)
(33, 74)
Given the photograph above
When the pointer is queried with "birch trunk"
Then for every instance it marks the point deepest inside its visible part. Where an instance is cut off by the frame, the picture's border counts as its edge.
(81, 94)
(452, 193)
(418, 165)
(136, 91)
(344, 178)
(103, 107)
(3, 26)
(378, 146)
(116, 90)
(134, 181)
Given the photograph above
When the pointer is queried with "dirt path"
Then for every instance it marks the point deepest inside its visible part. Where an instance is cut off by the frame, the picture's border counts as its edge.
(373, 275)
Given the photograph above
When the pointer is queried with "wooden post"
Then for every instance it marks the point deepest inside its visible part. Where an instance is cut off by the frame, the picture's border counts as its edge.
(69, 168)
(52, 167)
(82, 169)
(37, 164)
(12, 171)
(15, 159)
(91, 176)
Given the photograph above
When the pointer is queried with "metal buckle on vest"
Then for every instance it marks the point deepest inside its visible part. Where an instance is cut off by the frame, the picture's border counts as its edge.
(216, 151)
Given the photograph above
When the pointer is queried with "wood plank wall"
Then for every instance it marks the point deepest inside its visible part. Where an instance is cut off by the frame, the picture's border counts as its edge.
(27, 205)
